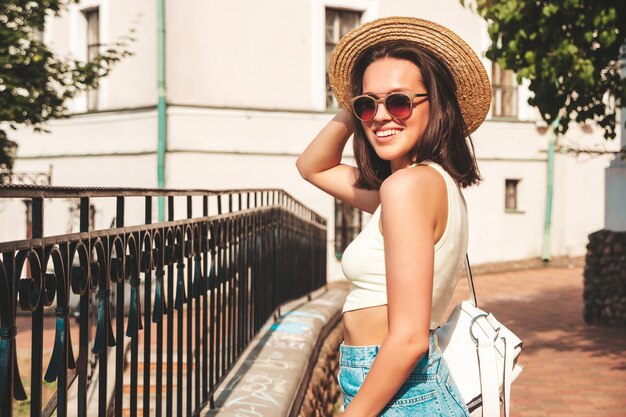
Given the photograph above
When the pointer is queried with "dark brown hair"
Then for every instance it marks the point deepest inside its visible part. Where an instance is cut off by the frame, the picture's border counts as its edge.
(443, 140)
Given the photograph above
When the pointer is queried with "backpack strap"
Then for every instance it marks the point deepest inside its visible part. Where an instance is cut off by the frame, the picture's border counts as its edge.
(470, 281)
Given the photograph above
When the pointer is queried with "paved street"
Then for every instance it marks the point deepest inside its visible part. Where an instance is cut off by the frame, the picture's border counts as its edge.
(571, 368)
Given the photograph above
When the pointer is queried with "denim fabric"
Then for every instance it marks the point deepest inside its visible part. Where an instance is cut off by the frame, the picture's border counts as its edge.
(429, 390)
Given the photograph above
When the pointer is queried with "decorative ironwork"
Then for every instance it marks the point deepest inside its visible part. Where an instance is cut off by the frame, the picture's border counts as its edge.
(32, 178)
(200, 289)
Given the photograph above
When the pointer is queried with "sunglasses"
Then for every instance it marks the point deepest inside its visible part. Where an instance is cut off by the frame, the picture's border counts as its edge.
(398, 105)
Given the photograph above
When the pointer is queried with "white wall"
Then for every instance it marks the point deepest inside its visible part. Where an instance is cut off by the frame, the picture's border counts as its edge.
(615, 182)
(91, 134)
(235, 53)
(133, 81)
(448, 13)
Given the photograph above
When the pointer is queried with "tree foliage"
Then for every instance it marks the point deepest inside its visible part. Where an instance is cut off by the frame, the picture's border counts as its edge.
(36, 83)
(568, 49)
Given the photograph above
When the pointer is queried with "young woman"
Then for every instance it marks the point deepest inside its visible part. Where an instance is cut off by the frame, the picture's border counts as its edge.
(412, 91)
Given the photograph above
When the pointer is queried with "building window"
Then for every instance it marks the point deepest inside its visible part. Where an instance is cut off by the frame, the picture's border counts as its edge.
(348, 224)
(504, 103)
(338, 23)
(511, 195)
(92, 17)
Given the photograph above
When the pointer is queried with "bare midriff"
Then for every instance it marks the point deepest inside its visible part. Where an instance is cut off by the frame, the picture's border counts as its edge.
(366, 326)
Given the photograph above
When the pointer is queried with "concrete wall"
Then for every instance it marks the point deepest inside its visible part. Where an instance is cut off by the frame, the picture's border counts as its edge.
(233, 53)
(615, 180)
(616, 196)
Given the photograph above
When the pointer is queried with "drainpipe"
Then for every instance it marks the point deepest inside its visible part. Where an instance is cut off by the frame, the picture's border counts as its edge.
(545, 253)
(162, 104)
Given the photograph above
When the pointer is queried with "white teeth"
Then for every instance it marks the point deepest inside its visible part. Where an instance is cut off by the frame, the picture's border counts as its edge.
(385, 133)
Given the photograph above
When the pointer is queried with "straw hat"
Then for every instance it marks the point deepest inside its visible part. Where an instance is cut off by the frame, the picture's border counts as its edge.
(473, 87)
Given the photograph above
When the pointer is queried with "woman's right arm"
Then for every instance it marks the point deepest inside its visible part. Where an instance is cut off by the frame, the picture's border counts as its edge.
(320, 164)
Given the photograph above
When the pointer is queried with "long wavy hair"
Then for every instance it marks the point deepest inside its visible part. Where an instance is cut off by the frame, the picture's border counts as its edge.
(443, 140)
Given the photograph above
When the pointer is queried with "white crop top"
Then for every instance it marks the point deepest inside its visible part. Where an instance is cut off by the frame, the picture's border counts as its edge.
(363, 261)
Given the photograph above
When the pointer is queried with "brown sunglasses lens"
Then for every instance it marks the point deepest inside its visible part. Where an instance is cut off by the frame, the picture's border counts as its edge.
(365, 108)
(397, 104)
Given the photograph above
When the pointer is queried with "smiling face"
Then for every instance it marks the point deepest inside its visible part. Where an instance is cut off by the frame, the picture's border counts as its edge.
(433, 131)
(392, 138)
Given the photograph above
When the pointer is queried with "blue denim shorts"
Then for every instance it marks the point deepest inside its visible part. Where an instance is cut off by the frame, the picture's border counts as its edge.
(428, 391)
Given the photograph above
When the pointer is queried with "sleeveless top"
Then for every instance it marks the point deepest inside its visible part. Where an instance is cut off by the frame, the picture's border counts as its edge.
(363, 261)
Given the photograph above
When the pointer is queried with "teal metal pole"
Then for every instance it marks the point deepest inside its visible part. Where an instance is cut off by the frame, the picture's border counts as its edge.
(161, 105)
(545, 253)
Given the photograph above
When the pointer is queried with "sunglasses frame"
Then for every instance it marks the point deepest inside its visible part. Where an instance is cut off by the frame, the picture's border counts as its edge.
(410, 96)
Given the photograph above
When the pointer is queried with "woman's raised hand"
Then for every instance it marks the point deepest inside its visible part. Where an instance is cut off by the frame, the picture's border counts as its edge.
(320, 164)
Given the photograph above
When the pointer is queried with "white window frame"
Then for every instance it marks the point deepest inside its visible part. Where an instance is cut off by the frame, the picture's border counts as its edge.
(368, 10)
(498, 93)
(518, 195)
(77, 46)
(92, 100)
(524, 111)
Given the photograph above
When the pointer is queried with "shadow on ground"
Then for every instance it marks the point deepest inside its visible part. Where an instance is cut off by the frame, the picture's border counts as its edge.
(553, 320)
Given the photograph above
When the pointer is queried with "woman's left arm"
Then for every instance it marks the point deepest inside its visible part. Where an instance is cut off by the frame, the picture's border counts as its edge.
(411, 200)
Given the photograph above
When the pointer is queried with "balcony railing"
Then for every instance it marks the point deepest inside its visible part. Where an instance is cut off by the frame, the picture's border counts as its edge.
(173, 303)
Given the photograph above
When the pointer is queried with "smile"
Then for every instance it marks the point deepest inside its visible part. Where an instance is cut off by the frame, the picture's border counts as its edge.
(387, 133)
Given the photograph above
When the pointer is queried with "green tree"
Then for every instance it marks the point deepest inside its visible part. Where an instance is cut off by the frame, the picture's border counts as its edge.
(35, 83)
(568, 49)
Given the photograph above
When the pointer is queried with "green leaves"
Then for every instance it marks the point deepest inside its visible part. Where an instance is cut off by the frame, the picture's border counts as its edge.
(35, 84)
(529, 56)
(566, 49)
(549, 10)
(7, 156)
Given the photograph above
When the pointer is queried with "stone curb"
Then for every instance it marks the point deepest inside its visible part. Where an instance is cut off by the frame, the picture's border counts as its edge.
(272, 377)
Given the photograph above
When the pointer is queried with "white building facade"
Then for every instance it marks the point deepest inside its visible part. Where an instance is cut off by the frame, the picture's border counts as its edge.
(246, 92)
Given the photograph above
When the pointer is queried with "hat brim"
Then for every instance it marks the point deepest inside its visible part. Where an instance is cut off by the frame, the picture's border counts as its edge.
(472, 83)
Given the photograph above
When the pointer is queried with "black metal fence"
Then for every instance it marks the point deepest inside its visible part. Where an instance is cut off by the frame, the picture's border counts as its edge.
(197, 290)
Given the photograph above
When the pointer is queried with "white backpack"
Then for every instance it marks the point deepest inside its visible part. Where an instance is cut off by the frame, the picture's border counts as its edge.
(481, 354)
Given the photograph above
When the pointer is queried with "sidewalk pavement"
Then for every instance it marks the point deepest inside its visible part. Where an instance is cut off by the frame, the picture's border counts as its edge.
(571, 368)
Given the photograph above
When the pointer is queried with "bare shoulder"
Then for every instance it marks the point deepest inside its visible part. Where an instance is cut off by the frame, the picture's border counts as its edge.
(411, 184)
(412, 199)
